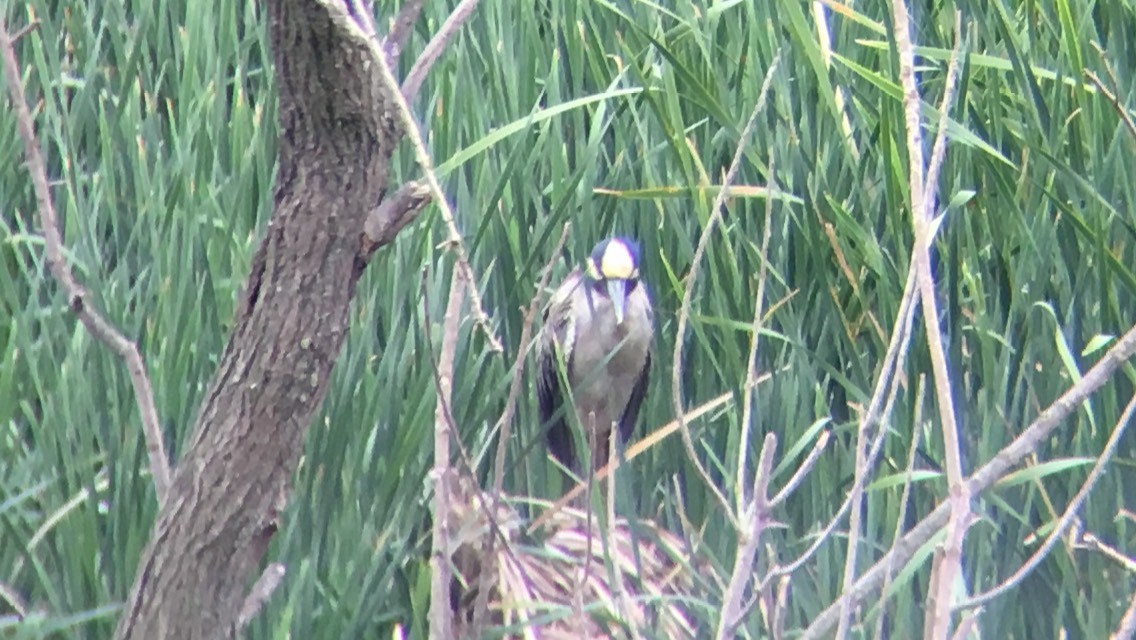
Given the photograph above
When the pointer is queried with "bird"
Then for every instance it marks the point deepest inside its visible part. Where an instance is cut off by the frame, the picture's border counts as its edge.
(597, 336)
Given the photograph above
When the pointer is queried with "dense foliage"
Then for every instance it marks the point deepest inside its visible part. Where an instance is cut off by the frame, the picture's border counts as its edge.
(158, 122)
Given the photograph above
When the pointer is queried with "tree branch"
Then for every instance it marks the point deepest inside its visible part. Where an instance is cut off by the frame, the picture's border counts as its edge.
(401, 29)
(754, 517)
(1066, 518)
(985, 477)
(78, 299)
(688, 293)
(422, 155)
(338, 131)
(261, 591)
(922, 187)
(434, 49)
(393, 214)
(441, 575)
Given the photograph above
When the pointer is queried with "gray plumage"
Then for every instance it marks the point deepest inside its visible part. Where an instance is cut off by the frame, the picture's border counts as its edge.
(600, 320)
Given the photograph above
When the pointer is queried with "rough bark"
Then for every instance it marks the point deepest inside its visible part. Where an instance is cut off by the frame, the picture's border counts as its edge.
(336, 138)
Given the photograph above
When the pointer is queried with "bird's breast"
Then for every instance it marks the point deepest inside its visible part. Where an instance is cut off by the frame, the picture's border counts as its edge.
(598, 335)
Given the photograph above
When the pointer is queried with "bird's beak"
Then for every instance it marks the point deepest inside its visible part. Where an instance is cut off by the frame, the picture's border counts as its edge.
(617, 291)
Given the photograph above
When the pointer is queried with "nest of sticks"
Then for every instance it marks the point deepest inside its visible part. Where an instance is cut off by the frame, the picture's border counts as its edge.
(572, 576)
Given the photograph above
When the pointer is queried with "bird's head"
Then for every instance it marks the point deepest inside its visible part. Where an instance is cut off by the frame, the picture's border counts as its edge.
(613, 269)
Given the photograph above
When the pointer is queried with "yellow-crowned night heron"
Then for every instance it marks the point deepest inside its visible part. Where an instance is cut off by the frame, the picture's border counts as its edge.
(599, 324)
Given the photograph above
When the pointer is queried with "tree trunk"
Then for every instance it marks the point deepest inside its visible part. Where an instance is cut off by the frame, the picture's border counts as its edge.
(337, 134)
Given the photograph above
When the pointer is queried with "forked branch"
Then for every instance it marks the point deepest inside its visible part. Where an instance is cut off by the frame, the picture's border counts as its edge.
(78, 299)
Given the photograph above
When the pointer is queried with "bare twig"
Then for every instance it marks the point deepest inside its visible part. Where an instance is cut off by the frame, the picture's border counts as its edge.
(401, 29)
(262, 589)
(754, 517)
(916, 433)
(393, 214)
(879, 412)
(852, 544)
(25, 30)
(77, 297)
(922, 215)
(939, 150)
(688, 292)
(441, 615)
(435, 47)
(422, 155)
(755, 339)
(1091, 541)
(461, 484)
(1125, 114)
(803, 469)
(1066, 518)
(966, 626)
(361, 11)
(1115, 102)
(1010, 455)
(505, 425)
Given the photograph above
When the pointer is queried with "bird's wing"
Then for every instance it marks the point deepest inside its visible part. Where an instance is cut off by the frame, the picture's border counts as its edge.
(558, 336)
(635, 401)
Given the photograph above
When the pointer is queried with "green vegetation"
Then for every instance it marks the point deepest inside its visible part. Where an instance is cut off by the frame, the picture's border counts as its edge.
(157, 120)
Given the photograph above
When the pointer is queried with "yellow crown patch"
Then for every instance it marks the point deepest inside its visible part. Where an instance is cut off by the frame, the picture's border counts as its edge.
(617, 263)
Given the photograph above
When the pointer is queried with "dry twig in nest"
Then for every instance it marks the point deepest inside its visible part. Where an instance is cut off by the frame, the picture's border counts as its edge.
(534, 581)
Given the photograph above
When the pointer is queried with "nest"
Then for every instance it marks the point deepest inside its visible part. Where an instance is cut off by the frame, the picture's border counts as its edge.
(571, 578)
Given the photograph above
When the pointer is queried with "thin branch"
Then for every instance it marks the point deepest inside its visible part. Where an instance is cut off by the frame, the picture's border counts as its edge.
(463, 485)
(441, 614)
(965, 627)
(1089, 540)
(435, 47)
(1010, 455)
(803, 469)
(505, 425)
(1125, 114)
(361, 12)
(401, 29)
(755, 340)
(688, 292)
(905, 495)
(1115, 102)
(939, 150)
(922, 215)
(423, 157)
(853, 541)
(25, 30)
(77, 297)
(392, 215)
(755, 517)
(1066, 519)
(879, 412)
(262, 589)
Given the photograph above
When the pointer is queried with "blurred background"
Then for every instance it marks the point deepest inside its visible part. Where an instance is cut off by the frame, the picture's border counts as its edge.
(158, 123)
